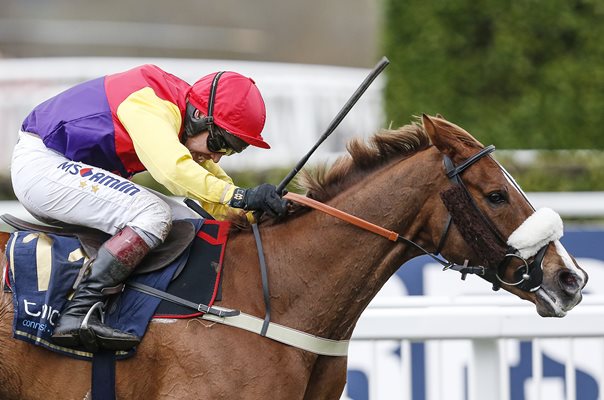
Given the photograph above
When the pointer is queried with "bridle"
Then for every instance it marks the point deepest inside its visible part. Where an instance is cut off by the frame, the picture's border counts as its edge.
(527, 278)
(530, 275)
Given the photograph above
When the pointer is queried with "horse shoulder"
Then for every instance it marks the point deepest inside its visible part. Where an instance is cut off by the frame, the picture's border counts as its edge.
(327, 379)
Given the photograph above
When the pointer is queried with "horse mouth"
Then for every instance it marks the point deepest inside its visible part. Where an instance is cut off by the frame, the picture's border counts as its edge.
(549, 306)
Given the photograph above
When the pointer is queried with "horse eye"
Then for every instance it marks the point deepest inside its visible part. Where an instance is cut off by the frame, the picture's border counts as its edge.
(497, 197)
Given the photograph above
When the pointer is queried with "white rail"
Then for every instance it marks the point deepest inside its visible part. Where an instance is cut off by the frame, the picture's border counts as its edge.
(475, 317)
(481, 331)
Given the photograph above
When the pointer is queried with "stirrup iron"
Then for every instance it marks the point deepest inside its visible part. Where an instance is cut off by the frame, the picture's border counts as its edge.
(98, 305)
(87, 336)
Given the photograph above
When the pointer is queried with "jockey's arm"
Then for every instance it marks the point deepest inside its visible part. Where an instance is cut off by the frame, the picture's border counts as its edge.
(153, 125)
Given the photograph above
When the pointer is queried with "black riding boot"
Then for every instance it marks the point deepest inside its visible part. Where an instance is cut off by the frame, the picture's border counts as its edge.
(79, 324)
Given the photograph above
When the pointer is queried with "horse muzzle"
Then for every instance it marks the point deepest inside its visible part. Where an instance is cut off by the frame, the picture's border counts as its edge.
(562, 290)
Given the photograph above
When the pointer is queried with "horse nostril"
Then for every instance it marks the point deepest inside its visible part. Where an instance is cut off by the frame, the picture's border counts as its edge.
(569, 282)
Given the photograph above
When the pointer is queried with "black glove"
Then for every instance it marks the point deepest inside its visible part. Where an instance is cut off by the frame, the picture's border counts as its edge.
(263, 197)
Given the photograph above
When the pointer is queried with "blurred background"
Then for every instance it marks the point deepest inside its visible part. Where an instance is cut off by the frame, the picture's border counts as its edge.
(527, 76)
(520, 75)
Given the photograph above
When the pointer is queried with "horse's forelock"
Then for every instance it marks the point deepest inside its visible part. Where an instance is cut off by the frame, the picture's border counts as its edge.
(323, 183)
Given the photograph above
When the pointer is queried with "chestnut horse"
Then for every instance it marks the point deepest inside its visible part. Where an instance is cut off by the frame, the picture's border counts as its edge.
(323, 272)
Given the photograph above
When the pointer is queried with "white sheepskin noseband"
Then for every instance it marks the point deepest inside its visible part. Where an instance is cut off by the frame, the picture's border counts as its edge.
(544, 226)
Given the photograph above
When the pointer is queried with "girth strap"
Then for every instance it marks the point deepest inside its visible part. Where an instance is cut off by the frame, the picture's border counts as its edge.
(263, 327)
(284, 334)
(272, 330)
(103, 376)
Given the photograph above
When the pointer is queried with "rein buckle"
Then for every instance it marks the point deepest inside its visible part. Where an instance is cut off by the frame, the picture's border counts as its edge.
(466, 269)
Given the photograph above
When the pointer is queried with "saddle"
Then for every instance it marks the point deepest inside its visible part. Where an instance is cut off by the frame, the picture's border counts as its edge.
(179, 238)
(181, 279)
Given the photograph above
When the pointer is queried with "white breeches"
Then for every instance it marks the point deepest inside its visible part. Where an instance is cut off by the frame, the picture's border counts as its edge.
(52, 187)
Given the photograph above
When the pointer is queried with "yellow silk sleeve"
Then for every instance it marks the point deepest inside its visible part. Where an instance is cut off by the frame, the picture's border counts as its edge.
(216, 170)
(153, 125)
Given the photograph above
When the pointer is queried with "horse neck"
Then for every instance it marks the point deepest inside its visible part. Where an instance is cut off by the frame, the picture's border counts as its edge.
(327, 271)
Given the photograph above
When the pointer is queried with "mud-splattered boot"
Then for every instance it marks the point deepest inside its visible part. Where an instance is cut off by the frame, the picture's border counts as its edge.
(80, 323)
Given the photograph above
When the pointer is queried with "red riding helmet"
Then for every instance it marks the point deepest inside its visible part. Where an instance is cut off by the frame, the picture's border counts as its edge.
(238, 105)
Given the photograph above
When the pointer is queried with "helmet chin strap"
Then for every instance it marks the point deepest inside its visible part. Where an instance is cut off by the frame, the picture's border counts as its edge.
(196, 123)
(193, 124)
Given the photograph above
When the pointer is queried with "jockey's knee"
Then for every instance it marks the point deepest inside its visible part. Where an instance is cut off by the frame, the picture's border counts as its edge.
(153, 222)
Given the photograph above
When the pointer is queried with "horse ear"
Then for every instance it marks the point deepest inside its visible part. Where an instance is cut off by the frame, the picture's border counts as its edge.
(437, 137)
(447, 137)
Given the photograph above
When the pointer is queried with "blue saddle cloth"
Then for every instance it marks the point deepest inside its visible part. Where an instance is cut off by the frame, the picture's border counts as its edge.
(42, 270)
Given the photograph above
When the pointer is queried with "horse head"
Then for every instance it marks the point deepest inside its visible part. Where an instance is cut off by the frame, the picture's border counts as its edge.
(491, 223)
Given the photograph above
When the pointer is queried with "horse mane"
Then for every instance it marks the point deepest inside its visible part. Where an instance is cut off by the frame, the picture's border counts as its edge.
(323, 182)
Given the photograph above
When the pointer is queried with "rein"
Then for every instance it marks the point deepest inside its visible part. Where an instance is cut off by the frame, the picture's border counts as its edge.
(528, 277)
(368, 226)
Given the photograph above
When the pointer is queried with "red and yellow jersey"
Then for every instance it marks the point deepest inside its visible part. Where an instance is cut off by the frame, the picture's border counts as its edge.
(131, 122)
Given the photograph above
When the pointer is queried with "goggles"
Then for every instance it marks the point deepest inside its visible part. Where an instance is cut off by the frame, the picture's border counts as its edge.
(224, 143)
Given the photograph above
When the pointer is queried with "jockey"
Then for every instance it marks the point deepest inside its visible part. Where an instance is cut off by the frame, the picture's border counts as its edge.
(77, 150)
